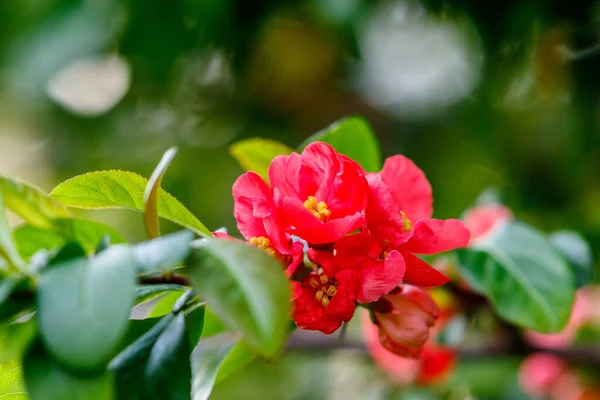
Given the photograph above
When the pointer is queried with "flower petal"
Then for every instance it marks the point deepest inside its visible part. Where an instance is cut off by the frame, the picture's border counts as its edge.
(432, 236)
(283, 174)
(483, 220)
(419, 273)
(380, 277)
(383, 212)
(320, 164)
(409, 185)
(349, 191)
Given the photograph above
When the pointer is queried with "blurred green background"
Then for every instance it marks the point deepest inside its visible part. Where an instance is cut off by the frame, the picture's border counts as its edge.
(480, 95)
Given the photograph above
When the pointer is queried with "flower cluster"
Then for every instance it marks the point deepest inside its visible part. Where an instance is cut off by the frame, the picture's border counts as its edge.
(348, 237)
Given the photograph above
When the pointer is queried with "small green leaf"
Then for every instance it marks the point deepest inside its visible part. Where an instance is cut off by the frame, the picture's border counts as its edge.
(84, 306)
(151, 194)
(122, 189)
(14, 339)
(164, 253)
(573, 247)
(8, 248)
(164, 304)
(353, 137)
(88, 234)
(206, 361)
(12, 386)
(149, 292)
(525, 279)
(157, 365)
(168, 372)
(30, 203)
(256, 154)
(246, 288)
(46, 380)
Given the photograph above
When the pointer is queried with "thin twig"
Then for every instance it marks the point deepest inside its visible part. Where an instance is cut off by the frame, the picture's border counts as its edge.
(165, 279)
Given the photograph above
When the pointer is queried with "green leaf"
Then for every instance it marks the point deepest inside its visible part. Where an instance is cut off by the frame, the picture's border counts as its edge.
(46, 380)
(168, 372)
(30, 203)
(149, 292)
(14, 339)
(525, 279)
(246, 288)
(164, 304)
(130, 365)
(8, 248)
(239, 357)
(84, 306)
(157, 365)
(573, 247)
(151, 194)
(353, 137)
(256, 154)
(164, 253)
(12, 386)
(88, 234)
(206, 361)
(122, 189)
(194, 322)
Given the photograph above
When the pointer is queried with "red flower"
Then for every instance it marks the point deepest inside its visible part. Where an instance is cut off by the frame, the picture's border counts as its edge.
(320, 195)
(326, 297)
(378, 271)
(404, 319)
(398, 213)
(258, 222)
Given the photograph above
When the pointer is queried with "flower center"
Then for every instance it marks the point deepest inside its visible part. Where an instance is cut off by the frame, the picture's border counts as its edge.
(318, 209)
(325, 287)
(263, 243)
(407, 224)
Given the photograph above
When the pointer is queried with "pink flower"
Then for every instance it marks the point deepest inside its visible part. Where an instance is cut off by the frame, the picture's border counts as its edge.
(482, 221)
(539, 372)
(320, 195)
(404, 318)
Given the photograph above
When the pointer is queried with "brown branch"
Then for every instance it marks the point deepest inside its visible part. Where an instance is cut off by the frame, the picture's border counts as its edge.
(165, 279)
(578, 355)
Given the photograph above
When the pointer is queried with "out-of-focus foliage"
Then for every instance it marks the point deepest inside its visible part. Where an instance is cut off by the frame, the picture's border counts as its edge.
(505, 95)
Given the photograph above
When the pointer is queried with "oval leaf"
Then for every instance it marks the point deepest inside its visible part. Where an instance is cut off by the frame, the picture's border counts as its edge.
(524, 278)
(122, 189)
(14, 339)
(206, 362)
(573, 247)
(256, 154)
(246, 288)
(353, 137)
(151, 194)
(30, 203)
(84, 306)
(46, 380)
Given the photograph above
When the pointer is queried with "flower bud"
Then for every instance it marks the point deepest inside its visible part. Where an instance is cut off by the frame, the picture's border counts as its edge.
(404, 325)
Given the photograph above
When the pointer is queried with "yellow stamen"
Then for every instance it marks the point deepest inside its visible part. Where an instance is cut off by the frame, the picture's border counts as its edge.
(319, 295)
(313, 283)
(324, 279)
(331, 291)
(407, 224)
(318, 209)
(325, 301)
